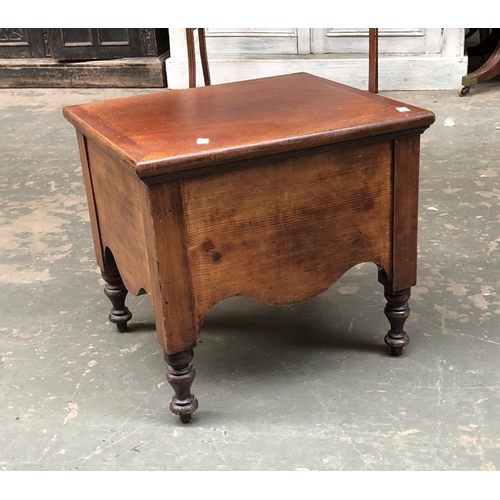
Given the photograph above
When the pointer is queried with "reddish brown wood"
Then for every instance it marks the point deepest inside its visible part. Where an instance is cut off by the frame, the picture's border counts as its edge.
(203, 55)
(279, 234)
(373, 60)
(172, 292)
(491, 67)
(117, 193)
(301, 179)
(272, 159)
(242, 120)
(89, 190)
(405, 212)
(192, 56)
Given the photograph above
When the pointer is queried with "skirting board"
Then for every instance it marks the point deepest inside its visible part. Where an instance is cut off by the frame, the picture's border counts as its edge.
(423, 72)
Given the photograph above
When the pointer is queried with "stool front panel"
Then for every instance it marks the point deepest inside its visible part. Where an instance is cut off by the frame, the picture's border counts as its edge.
(284, 232)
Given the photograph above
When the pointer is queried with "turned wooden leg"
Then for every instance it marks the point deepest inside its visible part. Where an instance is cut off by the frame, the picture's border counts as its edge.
(180, 375)
(397, 312)
(116, 292)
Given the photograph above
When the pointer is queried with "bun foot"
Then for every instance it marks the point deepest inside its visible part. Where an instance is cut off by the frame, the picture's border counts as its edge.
(184, 407)
(120, 314)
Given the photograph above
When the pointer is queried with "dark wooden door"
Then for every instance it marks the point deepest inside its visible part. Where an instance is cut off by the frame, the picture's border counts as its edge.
(85, 44)
(21, 43)
(83, 57)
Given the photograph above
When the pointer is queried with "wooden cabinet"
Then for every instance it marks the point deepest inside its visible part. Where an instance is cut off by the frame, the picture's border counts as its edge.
(83, 57)
(23, 43)
(106, 43)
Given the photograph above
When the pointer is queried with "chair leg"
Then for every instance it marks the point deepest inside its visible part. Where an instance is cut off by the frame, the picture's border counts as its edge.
(373, 60)
(116, 292)
(488, 70)
(191, 57)
(180, 375)
(203, 53)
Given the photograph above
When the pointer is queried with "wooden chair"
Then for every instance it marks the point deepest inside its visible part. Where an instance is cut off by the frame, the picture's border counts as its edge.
(372, 58)
(192, 56)
(490, 44)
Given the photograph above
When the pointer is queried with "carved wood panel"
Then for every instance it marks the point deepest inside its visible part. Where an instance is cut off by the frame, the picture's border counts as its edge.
(22, 42)
(71, 44)
(13, 35)
(106, 43)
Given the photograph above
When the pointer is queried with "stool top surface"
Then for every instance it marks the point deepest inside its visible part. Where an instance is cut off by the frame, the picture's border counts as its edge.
(175, 131)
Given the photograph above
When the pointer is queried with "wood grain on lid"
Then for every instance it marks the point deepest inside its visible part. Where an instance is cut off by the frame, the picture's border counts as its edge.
(160, 133)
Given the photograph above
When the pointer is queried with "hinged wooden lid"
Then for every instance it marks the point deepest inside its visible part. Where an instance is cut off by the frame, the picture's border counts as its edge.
(175, 131)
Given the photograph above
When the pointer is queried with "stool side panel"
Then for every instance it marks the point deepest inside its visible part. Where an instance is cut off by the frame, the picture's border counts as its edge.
(89, 191)
(117, 193)
(405, 219)
(283, 233)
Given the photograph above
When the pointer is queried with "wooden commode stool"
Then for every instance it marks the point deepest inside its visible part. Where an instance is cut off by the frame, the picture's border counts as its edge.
(270, 188)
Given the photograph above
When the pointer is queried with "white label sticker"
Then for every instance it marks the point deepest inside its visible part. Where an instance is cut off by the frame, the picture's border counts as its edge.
(403, 109)
(202, 140)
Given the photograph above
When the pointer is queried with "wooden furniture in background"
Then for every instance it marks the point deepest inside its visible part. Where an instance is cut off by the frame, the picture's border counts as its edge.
(192, 56)
(83, 57)
(270, 188)
(490, 44)
(372, 58)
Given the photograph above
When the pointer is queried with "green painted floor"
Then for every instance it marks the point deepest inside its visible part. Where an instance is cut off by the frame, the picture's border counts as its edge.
(310, 386)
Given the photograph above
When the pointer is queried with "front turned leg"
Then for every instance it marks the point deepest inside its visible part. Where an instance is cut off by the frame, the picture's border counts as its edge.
(180, 375)
(397, 312)
(116, 292)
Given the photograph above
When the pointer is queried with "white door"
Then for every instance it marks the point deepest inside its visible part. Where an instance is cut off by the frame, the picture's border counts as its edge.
(259, 41)
(390, 40)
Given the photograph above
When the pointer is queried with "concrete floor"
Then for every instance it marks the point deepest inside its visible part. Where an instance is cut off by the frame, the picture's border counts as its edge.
(306, 387)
